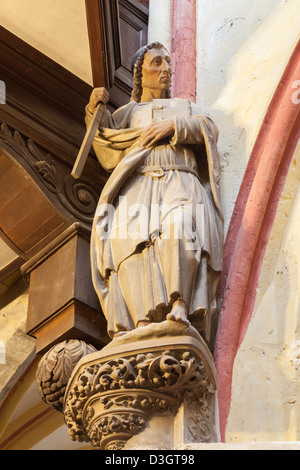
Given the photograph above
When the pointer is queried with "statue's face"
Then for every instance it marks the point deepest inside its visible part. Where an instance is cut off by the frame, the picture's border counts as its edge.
(156, 70)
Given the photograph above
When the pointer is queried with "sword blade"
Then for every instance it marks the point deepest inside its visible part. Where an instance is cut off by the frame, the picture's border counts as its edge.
(88, 141)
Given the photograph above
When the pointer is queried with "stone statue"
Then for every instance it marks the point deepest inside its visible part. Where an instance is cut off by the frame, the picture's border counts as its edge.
(157, 236)
(156, 257)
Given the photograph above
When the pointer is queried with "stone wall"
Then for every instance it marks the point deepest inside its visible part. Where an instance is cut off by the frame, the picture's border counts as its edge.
(18, 349)
(241, 57)
(269, 358)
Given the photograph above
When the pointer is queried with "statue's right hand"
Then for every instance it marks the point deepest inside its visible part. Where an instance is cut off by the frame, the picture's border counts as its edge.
(98, 95)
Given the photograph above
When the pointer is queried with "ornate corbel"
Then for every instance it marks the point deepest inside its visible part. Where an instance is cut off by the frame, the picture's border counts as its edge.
(113, 394)
(76, 198)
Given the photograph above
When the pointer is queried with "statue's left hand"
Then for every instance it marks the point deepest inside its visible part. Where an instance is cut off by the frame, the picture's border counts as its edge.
(157, 131)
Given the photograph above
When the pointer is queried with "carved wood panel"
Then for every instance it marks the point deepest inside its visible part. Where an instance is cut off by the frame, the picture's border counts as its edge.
(133, 32)
(117, 28)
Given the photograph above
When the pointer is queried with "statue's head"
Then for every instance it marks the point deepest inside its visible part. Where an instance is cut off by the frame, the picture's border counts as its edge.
(144, 62)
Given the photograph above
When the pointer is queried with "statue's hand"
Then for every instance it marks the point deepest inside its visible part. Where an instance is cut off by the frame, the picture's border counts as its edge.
(157, 131)
(98, 95)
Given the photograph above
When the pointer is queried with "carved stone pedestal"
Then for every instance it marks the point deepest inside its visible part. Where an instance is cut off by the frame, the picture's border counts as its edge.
(163, 371)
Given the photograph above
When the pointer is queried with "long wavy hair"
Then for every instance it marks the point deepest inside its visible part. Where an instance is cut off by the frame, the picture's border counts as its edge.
(138, 72)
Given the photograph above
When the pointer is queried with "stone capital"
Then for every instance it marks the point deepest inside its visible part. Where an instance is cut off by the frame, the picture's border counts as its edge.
(113, 394)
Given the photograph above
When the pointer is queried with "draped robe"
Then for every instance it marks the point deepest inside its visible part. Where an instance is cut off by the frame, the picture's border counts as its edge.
(157, 233)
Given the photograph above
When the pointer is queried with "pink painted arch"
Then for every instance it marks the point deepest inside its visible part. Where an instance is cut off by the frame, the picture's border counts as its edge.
(251, 224)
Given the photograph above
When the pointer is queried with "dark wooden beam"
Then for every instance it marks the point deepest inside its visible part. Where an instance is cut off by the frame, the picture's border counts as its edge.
(94, 15)
(41, 130)
(36, 72)
(44, 101)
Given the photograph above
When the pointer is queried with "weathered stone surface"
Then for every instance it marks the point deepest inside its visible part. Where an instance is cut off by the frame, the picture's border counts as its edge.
(55, 369)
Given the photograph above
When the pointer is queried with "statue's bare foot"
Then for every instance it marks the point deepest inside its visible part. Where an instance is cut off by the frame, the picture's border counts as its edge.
(179, 312)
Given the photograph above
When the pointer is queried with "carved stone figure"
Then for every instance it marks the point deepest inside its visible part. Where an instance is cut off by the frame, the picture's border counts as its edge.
(157, 236)
(56, 367)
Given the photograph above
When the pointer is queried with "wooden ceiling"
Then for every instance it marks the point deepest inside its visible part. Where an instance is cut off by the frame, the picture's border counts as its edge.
(42, 125)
